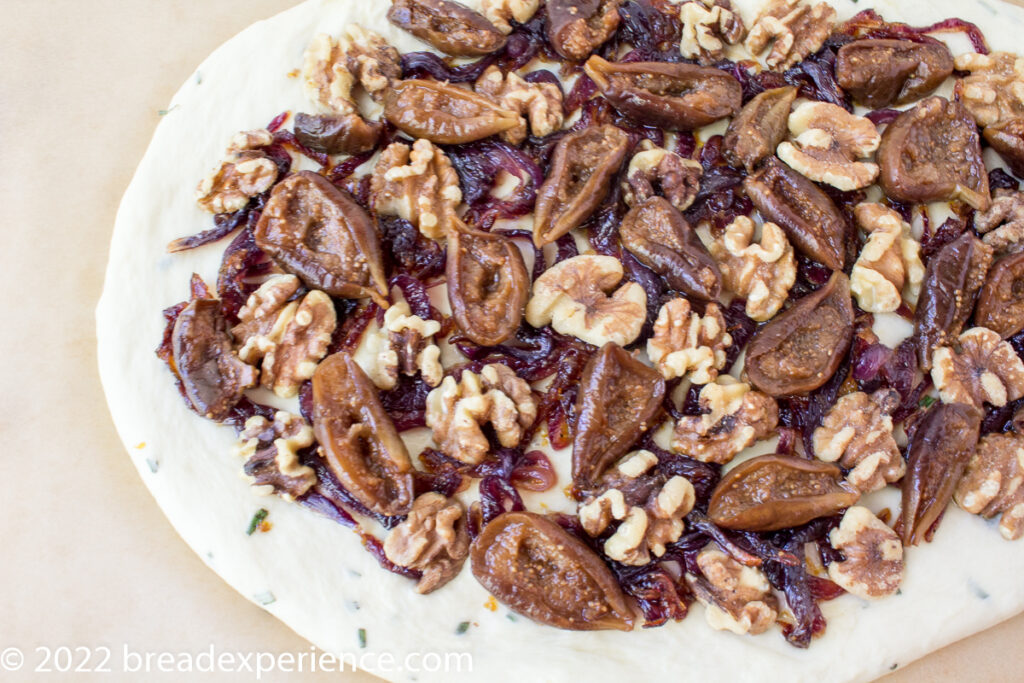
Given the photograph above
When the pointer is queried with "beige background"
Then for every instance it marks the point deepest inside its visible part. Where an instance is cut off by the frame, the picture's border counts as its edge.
(88, 559)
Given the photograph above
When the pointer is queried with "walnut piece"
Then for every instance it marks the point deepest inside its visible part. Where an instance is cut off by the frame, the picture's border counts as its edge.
(991, 484)
(371, 60)
(1003, 223)
(736, 598)
(857, 433)
(653, 168)
(985, 369)
(735, 417)
(326, 80)
(403, 345)
(271, 453)
(708, 26)
(433, 539)
(873, 567)
(539, 104)
(889, 267)
(502, 12)
(761, 273)
(245, 172)
(573, 298)
(457, 411)
(417, 184)
(994, 91)
(648, 524)
(827, 142)
(794, 30)
(688, 344)
(290, 337)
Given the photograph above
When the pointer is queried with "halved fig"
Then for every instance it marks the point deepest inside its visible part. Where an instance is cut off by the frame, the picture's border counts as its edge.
(810, 218)
(657, 234)
(213, 376)
(772, 492)
(357, 438)
(350, 134)
(881, 72)
(933, 153)
(315, 230)
(941, 445)
(445, 113)
(449, 26)
(540, 570)
(575, 28)
(583, 167)
(1001, 302)
(952, 280)
(759, 128)
(487, 284)
(618, 396)
(1007, 138)
(799, 350)
(674, 96)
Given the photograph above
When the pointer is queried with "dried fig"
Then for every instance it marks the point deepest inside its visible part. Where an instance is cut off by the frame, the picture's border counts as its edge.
(445, 113)
(358, 439)
(583, 167)
(449, 26)
(487, 284)
(1007, 138)
(811, 220)
(349, 134)
(317, 231)
(772, 492)
(759, 128)
(657, 234)
(618, 396)
(941, 445)
(881, 72)
(667, 95)
(799, 350)
(543, 572)
(933, 153)
(575, 28)
(1001, 302)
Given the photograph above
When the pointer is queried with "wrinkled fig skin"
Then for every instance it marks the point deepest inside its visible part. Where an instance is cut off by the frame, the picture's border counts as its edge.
(810, 218)
(618, 396)
(952, 281)
(933, 153)
(772, 492)
(445, 114)
(449, 26)
(317, 232)
(1001, 302)
(759, 128)
(799, 350)
(487, 284)
(658, 235)
(358, 439)
(878, 73)
(337, 134)
(1007, 138)
(583, 168)
(212, 375)
(543, 572)
(666, 95)
(575, 28)
(940, 447)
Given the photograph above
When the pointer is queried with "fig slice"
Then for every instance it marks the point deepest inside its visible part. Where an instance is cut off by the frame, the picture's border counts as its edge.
(487, 284)
(933, 153)
(618, 396)
(772, 492)
(941, 445)
(445, 113)
(1001, 302)
(316, 231)
(575, 28)
(1007, 138)
(759, 128)
(451, 27)
(583, 167)
(540, 570)
(357, 438)
(799, 350)
(349, 134)
(881, 72)
(809, 217)
(657, 234)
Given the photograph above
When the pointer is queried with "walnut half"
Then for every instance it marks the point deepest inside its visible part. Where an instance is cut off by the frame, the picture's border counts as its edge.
(433, 539)
(985, 369)
(245, 172)
(736, 598)
(993, 92)
(873, 567)
(654, 168)
(417, 184)
(827, 143)
(889, 267)
(735, 417)
(794, 30)
(403, 345)
(1003, 223)
(762, 273)
(688, 344)
(991, 485)
(708, 26)
(540, 104)
(271, 452)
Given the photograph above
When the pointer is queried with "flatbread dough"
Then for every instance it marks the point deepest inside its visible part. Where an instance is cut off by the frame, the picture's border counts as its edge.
(314, 575)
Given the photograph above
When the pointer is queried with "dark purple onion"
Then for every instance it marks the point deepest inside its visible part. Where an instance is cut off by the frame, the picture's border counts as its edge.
(406, 403)
(998, 179)
(410, 253)
(431, 65)
(479, 165)
(883, 117)
(241, 267)
(497, 496)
